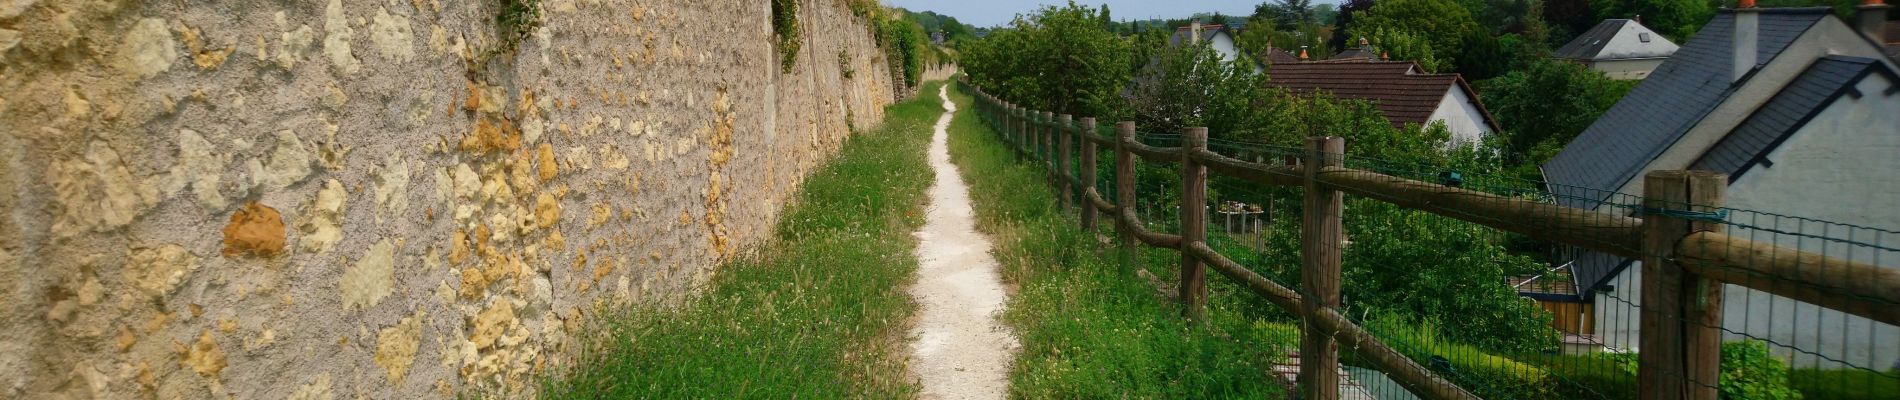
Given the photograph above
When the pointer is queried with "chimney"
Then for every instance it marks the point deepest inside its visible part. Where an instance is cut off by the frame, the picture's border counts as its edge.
(1385, 56)
(1194, 30)
(1638, 19)
(1873, 19)
(1303, 53)
(1746, 39)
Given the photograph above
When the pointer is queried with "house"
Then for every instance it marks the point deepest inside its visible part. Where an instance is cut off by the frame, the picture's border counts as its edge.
(1620, 48)
(1217, 37)
(1277, 56)
(1363, 53)
(1400, 89)
(1798, 107)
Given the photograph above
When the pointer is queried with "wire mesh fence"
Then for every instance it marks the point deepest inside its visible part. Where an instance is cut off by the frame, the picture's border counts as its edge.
(1507, 287)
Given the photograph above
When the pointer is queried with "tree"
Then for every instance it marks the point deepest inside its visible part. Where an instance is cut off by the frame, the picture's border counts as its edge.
(1347, 13)
(1567, 19)
(1188, 85)
(1325, 13)
(1441, 24)
(1483, 57)
(1404, 45)
(1060, 58)
(1540, 122)
(1287, 14)
(1677, 19)
(1407, 261)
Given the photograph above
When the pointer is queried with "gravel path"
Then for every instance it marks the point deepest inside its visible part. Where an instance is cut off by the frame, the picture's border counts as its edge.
(961, 351)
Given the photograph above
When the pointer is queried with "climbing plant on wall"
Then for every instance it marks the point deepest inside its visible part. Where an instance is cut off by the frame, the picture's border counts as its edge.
(785, 26)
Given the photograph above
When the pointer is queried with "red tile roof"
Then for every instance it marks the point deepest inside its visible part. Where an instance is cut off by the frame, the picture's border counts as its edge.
(1400, 91)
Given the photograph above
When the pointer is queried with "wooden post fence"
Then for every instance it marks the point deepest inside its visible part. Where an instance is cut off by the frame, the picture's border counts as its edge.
(1687, 258)
(1064, 134)
(1193, 223)
(1682, 311)
(1087, 169)
(1125, 194)
(1321, 238)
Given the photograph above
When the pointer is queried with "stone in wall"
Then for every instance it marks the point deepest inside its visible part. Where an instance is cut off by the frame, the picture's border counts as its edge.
(210, 194)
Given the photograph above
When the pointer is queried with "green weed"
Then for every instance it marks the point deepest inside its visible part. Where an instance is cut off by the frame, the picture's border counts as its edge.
(1088, 330)
(818, 313)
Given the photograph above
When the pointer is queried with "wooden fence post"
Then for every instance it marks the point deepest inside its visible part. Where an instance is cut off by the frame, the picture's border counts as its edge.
(1064, 131)
(1125, 193)
(1193, 222)
(1028, 135)
(1321, 238)
(1046, 146)
(1087, 169)
(1681, 339)
(1022, 125)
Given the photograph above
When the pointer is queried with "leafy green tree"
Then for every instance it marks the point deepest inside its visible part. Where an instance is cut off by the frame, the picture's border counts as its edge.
(1348, 13)
(1260, 35)
(1523, 103)
(1325, 13)
(1188, 85)
(1405, 45)
(1061, 59)
(1441, 24)
(1567, 19)
(1406, 261)
(1677, 19)
(1286, 14)
(1483, 57)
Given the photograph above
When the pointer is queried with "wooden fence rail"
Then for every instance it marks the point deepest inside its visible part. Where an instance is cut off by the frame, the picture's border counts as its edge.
(1688, 257)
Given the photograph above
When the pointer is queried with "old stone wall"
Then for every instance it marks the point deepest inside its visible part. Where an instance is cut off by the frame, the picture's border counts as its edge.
(354, 198)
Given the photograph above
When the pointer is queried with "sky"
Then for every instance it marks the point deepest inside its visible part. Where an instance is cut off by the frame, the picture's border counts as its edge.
(984, 13)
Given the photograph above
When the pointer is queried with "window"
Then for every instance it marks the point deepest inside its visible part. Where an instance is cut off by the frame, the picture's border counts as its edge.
(1643, 37)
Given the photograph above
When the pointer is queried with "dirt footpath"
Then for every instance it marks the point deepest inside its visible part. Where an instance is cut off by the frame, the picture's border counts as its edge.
(961, 350)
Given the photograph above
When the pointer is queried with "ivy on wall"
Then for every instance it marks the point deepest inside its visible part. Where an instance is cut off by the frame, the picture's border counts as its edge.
(785, 25)
(514, 22)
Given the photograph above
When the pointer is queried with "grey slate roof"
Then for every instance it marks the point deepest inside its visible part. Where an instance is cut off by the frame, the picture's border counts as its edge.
(1586, 46)
(1594, 43)
(1207, 34)
(1663, 107)
(1781, 116)
(1675, 97)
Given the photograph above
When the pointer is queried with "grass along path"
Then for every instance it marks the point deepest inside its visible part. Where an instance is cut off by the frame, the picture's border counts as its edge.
(961, 350)
(818, 313)
(1088, 330)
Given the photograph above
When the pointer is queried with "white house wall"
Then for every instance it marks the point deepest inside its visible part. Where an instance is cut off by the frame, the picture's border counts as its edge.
(1229, 50)
(1839, 167)
(1461, 116)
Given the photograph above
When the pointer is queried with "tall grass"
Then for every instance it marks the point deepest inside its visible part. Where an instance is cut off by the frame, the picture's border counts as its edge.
(1088, 330)
(818, 313)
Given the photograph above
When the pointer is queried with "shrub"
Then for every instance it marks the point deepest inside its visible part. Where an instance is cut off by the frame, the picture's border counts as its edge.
(1750, 372)
(1592, 376)
(1482, 373)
